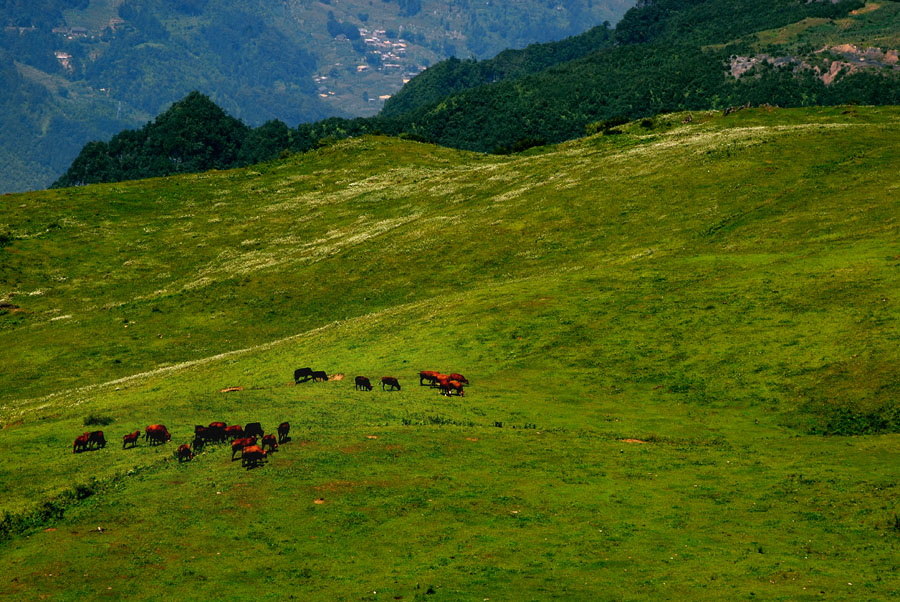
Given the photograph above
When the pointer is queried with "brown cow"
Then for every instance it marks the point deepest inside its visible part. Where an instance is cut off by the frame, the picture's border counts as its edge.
(157, 433)
(269, 441)
(252, 456)
(216, 431)
(239, 444)
(235, 431)
(447, 388)
(283, 429)
(81, 442)
(429, 375)
(131, 438)
(390, 380)
(441, 380)
(185, 453)
(459, 377)
(363, 383)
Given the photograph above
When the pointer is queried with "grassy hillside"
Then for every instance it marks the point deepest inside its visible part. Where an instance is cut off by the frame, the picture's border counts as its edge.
(659, 327)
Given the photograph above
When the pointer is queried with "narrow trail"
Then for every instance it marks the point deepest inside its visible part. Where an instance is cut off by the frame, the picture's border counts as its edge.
(16, 409)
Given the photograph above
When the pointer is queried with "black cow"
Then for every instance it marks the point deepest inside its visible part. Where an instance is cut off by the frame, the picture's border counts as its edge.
(304, 373)
(363, 383)
(319, 376)
(283, 429)
(254, 429)
(389, 381)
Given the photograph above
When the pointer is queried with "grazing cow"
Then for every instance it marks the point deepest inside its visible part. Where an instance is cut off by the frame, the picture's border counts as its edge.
(269, 441)
(283, 429)
(157, 433)
(390, 380)
(363, 383)
(185, 453)
(459, 377)
(215, 432)
(235, 431)
(198, 443)
(81, 442)
(131, 438)
(447, 388)
(98, 438)
(429, 375)
(319, 376)
(240, 444)
(252, 455)
(254, 429)
(304, 373)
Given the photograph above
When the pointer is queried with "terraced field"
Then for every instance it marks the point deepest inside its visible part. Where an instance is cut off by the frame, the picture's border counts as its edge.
(681, 341)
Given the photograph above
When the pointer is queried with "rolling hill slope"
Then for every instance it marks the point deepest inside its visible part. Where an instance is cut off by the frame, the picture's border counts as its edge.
(658, 326)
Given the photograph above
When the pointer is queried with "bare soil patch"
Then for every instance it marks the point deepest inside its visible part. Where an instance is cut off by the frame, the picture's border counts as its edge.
(231, 389)
(633, 441)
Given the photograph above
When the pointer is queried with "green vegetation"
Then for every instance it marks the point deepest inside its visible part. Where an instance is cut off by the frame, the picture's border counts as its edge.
(664, 323)
(669, 55)
(194, 135)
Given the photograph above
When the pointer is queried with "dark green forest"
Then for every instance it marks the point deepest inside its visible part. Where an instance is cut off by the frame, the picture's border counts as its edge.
(664, 56)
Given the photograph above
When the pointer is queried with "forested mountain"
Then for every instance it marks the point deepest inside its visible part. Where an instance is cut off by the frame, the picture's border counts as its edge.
(672, 55)
(78, 70)
(665, 55)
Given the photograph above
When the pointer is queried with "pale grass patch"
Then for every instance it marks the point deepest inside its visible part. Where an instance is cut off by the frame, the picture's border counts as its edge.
(515, 193)
(65, 317)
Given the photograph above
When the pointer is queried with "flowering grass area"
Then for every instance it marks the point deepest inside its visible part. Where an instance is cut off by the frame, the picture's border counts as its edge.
(682, 345)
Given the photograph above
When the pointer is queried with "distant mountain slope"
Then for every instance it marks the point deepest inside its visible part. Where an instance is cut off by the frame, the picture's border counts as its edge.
(454, 75)
(669, 55)
(665, 55)
(109, 64)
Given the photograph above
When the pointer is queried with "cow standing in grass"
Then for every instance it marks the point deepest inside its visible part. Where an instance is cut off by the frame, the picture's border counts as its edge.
(235, 431)
(269, 441)
(184, 453)
(239, 444)
(81, 442)
(459, 378)
(389, 381)
(363, 383)
(98, 438)
(427, 375)
(254, 429)
(252, 456)
(283, 429)
(157, 433)
(302, 373)
(130, 438)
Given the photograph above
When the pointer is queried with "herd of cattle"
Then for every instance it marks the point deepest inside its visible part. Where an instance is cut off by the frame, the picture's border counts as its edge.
(244, 439)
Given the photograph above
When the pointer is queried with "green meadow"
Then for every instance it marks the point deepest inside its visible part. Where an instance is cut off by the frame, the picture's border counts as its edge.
(682, 343)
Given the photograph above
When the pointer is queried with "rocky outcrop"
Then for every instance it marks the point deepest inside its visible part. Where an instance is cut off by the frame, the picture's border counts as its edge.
(839, 61)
